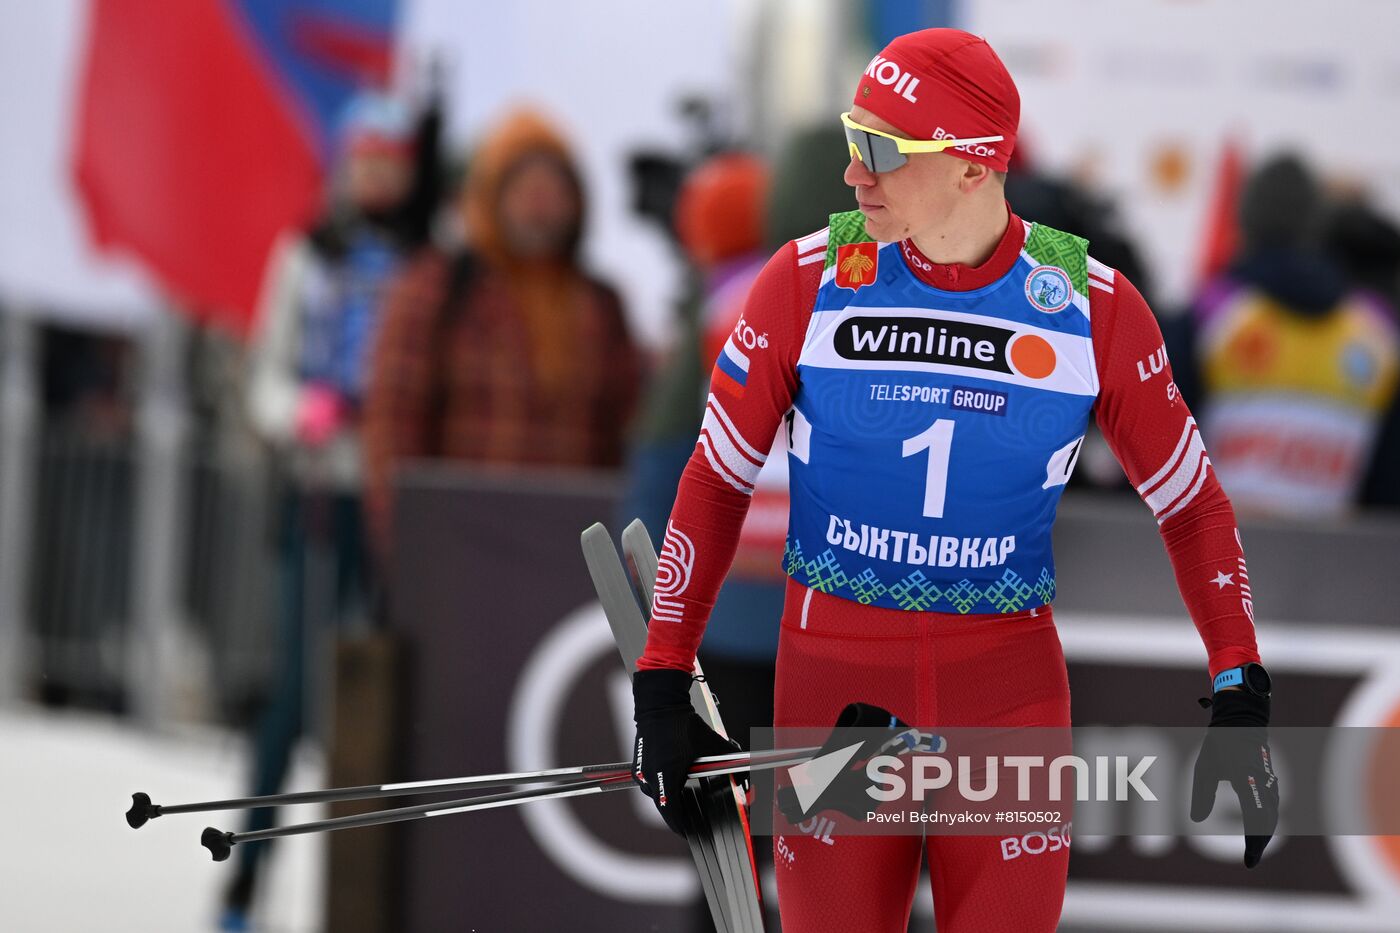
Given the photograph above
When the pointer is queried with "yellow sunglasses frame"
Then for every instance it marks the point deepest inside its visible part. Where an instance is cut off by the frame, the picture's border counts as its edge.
(912, 145)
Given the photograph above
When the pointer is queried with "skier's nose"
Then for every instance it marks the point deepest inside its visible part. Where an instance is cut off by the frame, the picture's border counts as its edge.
(857, 175)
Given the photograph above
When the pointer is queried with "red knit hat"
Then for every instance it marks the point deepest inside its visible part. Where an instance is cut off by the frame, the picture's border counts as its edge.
(941, 83)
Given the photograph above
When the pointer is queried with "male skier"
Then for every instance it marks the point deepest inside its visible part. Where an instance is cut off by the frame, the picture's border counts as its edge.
(934, 362)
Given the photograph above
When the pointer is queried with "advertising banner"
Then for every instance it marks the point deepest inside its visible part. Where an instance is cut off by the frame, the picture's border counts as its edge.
(512, 668)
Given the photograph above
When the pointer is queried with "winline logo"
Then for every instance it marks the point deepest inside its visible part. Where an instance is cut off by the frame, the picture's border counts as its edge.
(945, 342)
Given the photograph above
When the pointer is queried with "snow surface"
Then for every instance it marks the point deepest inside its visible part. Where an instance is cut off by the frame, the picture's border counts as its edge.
(70, 864)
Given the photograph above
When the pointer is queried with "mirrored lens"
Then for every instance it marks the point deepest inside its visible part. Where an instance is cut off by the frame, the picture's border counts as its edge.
(878, 153)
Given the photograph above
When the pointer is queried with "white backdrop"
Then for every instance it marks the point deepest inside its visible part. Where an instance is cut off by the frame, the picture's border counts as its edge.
(46, 266)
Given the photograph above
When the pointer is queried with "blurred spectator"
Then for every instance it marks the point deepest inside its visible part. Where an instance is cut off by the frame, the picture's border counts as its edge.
(717, 223)
(319, 312)
(742, 637)
(308, 365)
(1066, 205)
(508, 352)
(1367, 246)
(730, 217)
(1298, 367)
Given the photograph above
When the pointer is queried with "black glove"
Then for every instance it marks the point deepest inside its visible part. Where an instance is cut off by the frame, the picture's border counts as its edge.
(847, 793)
(1239, 754)
(670, 736)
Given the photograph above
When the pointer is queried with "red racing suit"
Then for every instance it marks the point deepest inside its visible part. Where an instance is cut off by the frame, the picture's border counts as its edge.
(936, 669)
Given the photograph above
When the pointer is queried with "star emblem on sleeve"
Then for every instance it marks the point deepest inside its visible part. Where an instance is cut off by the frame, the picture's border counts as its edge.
(1223, 579)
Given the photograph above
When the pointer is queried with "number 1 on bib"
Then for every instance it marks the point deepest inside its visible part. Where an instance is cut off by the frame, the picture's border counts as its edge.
(938, 441)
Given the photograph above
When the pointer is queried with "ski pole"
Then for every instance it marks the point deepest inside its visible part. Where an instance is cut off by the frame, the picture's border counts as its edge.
(143, 810)
(220, 843)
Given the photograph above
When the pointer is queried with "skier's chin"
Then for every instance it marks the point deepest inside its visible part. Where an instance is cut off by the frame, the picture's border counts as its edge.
(879, 225)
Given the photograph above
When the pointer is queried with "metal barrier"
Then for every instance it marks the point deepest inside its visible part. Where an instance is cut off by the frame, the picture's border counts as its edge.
(83, 560)
(79, 582)
(137, 570)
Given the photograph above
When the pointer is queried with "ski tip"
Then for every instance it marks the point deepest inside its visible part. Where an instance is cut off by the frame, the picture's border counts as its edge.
(219, 844)
(593, 530)
(142, 810)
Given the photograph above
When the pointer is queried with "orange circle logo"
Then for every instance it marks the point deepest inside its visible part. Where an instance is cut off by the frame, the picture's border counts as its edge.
(1033, 356)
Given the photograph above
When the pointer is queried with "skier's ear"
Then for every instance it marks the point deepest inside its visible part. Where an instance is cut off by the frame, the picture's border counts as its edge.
(975, 175)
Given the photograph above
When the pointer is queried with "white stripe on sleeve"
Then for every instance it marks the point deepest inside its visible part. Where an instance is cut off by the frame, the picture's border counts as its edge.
(1185, 500)
(718, 465)
(1192, 466)
(1171, 461)
(1100, 271)
(736, 356)
(712, 404)
(814, 241)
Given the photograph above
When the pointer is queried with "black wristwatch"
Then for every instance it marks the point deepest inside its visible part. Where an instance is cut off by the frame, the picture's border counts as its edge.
(1252, 677)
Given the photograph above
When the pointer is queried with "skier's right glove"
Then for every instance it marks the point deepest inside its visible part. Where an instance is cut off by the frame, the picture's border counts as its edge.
(670, 736)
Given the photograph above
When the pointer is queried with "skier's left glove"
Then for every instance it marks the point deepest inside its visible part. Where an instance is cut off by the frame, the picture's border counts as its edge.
(1236, 749)
(847, 793)
(670, 736)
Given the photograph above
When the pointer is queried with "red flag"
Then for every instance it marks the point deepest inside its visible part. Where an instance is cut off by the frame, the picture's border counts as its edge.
(188, 153)
(1220, 239)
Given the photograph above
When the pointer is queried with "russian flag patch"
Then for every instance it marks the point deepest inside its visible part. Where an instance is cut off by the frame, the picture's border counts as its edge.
(732, 367)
